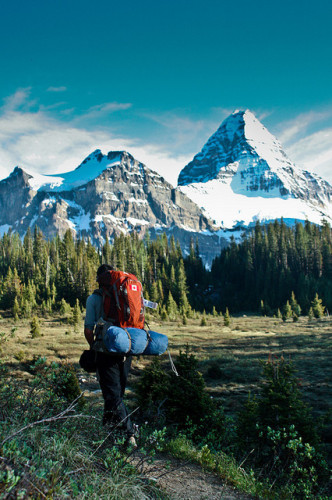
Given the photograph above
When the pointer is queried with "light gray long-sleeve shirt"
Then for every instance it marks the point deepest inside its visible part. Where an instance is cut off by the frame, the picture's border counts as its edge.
(94, 310)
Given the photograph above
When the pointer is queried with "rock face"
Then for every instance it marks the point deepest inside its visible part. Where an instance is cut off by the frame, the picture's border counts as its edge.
(242, 174)
(104, 196)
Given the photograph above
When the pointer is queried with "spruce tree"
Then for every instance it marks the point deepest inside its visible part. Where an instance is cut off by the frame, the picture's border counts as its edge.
(16, 309)
(227, 318)
(296, 308)
(76, 315)
(184, 305)
(107, 252)
(154, 292)
(311, 314)
(65, 308)
(287, 311)
(270, 424)
(163, 314)
(317, 307)
(35, 328)
(181, 282)
(171, 306)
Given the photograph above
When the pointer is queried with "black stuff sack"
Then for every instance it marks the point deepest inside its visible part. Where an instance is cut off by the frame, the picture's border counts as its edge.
(88, 361)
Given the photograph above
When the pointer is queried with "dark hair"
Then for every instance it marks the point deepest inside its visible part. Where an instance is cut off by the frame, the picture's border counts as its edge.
(103, 268)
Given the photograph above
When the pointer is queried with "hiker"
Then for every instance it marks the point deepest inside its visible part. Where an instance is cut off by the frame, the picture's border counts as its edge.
(112, 369)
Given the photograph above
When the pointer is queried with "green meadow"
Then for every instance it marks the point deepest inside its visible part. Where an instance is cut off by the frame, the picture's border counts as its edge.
(229, 357)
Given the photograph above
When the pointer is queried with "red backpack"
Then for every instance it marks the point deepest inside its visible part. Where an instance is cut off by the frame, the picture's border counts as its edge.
(123, 299)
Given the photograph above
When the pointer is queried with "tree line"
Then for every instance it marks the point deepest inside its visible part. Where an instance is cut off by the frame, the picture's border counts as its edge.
(269, 263)
(39, 274)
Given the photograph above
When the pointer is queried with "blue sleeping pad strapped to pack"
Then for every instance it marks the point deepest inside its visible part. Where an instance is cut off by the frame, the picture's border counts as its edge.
(117, 340)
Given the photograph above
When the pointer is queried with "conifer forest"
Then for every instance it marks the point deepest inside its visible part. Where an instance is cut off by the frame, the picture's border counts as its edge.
(271, 264)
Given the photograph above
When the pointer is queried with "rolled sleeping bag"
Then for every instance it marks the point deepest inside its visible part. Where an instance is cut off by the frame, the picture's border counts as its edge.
(117, 340)
(157, 345)
(139, 340)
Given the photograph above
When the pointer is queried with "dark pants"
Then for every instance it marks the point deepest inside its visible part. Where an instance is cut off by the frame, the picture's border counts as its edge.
(113, 373)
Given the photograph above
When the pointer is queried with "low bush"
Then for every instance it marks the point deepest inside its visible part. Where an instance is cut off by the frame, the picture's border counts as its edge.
(181, 402)
(51, 448)
(278, 436)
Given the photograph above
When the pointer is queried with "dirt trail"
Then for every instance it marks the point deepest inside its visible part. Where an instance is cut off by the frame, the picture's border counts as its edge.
(186, 481)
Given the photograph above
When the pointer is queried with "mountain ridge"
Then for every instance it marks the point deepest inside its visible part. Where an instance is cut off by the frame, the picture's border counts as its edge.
(240, 176)
(106, 195)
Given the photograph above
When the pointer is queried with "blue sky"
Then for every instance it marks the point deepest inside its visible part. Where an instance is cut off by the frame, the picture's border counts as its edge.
(158, 78)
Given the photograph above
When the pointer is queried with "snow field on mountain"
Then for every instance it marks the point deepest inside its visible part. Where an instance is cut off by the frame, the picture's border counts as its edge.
(228, 209)
(89, 169)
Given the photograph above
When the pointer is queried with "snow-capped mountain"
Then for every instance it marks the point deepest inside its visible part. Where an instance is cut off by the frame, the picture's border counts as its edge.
(242, 174)
(105, 195)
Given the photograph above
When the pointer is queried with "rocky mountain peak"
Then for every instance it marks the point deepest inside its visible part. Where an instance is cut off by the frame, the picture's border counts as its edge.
(241, 167)
(241, 140)
(18, 178)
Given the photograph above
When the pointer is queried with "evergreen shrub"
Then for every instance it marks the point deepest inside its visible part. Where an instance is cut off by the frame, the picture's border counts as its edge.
(35, 328)
(317, 307)
(59, 378)
(278, 433)
(227, 318)
(181, 402)
(287, 311)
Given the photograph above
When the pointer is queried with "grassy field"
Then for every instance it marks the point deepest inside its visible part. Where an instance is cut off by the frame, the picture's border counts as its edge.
(230, 357)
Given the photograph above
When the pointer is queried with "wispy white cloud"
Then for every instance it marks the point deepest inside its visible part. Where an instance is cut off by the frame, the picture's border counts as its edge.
(40, 143)
(181, 132)
(294, 129)
(307, 139)
(179, 129)
(110, 107)
(31, 136)
(17, 100)
(314, 153)
(57, 89)
(103, 109)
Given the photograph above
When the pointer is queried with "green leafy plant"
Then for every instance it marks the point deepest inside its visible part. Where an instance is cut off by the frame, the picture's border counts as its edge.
(57, 449)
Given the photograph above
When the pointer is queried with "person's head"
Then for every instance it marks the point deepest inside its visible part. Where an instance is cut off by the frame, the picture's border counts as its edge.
(102, 269)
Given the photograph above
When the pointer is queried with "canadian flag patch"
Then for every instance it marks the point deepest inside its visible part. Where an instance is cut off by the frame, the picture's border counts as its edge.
(133, 288)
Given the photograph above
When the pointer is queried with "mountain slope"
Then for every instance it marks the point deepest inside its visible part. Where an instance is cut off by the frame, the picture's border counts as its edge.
(242, 174)
(106, 195)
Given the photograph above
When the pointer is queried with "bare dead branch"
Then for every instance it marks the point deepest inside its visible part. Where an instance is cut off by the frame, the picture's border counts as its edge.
(61, 416)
